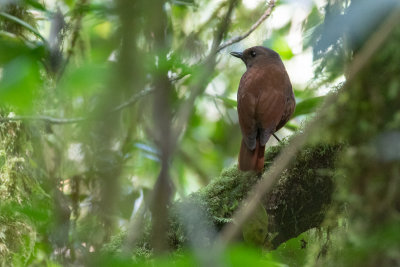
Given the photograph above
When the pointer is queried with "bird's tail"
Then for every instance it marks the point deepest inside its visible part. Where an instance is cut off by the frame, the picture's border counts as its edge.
(251, 160)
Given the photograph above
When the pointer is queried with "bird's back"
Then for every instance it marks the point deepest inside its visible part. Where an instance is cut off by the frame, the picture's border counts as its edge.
(265, 103)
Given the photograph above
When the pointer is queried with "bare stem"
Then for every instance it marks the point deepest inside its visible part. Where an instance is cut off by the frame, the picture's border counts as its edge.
(239, 38)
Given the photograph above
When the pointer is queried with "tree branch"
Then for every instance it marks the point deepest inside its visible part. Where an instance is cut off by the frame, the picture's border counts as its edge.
(44, 118)
(239, 38)
(48, 119)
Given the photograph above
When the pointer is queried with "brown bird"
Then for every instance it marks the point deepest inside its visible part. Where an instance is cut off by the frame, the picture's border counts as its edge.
(265, 103)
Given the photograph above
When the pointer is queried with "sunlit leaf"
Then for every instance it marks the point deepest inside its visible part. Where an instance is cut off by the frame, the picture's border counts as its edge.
(281, 46)
(291, 126)
(103, 29)
(35, 4)
(278, 42)
(69, 3)
(303, 94)
(313, 19)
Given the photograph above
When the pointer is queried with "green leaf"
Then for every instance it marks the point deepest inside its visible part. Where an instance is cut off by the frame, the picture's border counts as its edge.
(12, 47)
(35, 4)
(84, 80)
(69, 3)
(303, 94)
(291, 126)
(278, 43)
(281, 46)
(314, 18)
(20, 82)
(308, 106)
(292, 252)
(247, 256)
(255, 230)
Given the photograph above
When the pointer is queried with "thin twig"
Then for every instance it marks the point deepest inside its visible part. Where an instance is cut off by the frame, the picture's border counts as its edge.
(44, 118)
(239, 38)
(133, 99)
(276, 137)
(288, 153)
(78, 15)
(178, 77)
(52, 120)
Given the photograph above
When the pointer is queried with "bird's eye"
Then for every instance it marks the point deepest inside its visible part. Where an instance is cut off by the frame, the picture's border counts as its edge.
(253, 53)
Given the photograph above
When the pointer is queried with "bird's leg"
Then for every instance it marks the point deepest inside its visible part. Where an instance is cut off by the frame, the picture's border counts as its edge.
(276, 137)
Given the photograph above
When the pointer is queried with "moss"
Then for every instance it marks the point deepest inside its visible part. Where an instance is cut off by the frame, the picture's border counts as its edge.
(24, 206)
(300, 199)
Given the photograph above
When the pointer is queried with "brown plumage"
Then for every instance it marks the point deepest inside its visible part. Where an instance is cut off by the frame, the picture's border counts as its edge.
(265, 103)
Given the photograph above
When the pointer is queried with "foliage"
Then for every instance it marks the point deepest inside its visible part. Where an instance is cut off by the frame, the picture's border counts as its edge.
(370, 197)
(101, 99)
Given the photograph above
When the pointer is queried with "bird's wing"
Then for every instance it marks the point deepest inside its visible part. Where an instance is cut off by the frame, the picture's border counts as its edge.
(269, 112)
(290, 106)
(247, 102)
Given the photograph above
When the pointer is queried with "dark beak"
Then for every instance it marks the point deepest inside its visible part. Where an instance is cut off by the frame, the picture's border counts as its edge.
(237, 54)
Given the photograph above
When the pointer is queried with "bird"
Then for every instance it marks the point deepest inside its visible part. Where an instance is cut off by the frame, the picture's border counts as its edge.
(265, 103)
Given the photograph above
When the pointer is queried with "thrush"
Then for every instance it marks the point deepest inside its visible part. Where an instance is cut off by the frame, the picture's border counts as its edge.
(265, 102)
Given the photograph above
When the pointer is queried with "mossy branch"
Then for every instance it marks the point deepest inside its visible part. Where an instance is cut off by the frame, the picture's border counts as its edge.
(297, 202)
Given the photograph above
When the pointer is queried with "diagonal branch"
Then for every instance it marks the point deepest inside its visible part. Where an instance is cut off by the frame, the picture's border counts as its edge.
(236, 39)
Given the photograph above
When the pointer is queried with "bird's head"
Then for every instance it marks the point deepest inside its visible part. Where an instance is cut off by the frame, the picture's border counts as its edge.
(257, 55)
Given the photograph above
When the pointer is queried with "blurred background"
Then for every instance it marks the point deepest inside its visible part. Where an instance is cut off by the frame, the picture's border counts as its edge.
(99, 100)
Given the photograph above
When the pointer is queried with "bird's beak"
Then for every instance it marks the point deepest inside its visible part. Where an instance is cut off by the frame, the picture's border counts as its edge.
(237, 54)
